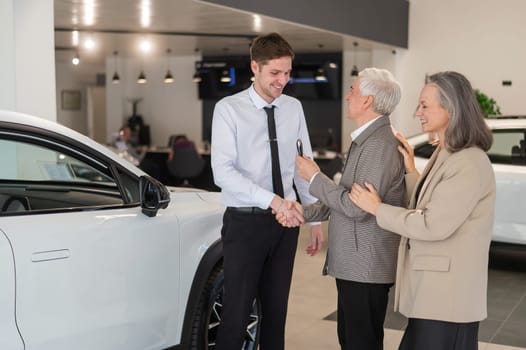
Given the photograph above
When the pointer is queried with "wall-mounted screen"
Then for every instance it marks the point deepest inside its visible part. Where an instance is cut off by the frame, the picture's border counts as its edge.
(315, 81)
(314, 77)
(218, 82)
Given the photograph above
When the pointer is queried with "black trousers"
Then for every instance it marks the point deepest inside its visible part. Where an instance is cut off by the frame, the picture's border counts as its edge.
(258, 260)
(361, 314)
(423, 334)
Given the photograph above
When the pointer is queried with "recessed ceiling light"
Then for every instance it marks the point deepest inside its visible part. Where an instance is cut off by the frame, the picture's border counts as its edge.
(89, 44)
(145, 45)
(75, 38)
(146, 13)
(89, 12)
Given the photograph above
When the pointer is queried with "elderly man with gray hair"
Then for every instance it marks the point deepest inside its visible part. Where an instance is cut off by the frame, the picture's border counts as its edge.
(361, 255)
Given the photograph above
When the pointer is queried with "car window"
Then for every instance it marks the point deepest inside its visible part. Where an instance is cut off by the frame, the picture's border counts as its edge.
(508, 147)
(27, 162)
(425, 150)
(36, 177)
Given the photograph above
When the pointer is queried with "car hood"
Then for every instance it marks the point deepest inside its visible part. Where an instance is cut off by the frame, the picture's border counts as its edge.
(211, 197)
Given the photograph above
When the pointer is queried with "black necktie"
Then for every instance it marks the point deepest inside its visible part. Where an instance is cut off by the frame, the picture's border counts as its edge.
(276, 172)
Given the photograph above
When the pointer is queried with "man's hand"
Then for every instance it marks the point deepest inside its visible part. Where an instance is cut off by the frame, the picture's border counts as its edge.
(316, 236)
(290, 214)
(306, 168)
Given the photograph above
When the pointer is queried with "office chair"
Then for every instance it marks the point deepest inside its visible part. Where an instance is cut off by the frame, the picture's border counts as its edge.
(186, 165)
(175, 138)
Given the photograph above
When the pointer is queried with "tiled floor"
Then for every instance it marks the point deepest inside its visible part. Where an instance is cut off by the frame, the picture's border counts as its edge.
(312, 303)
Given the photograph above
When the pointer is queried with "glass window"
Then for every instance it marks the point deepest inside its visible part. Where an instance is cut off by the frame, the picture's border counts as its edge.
(508, 147)
(424, 150)
(28, 162)
(41, 178)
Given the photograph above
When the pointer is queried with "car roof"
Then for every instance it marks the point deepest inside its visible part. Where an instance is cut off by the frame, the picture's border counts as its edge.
(506, 122)
(494, 122)
(54, 127)
(29, 120)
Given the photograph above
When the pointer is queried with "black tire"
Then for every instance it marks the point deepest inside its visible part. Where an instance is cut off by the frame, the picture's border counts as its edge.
(208, 316)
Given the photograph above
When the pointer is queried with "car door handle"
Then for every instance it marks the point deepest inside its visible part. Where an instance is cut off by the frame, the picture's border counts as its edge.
(50, 255)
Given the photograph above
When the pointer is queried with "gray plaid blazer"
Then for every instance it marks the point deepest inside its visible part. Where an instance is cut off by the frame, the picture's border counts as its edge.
(358, 249)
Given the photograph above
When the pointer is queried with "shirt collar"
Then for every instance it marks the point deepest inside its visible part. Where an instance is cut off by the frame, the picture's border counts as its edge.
(259, 102)
(362, 128)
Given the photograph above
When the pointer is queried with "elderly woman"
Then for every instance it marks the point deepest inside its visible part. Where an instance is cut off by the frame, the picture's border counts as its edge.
(441, 281)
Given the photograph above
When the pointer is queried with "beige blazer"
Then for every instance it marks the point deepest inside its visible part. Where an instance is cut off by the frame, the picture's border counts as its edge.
(442, 268)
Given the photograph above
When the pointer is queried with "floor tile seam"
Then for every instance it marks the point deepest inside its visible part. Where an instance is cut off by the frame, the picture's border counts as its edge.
(507, 318)
(523, 297)
(493, 319)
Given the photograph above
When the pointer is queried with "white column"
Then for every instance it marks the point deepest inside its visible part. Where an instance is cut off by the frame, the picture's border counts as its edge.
(7, 56)
(27, 57)
(389, 59)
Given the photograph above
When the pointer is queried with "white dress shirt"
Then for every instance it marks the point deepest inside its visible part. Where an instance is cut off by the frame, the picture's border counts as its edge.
(362, 128)
(241, 161)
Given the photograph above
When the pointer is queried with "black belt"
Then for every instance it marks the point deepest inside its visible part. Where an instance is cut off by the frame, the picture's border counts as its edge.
(249, 210)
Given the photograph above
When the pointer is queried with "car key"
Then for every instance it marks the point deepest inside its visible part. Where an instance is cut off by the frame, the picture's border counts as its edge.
(299, 146)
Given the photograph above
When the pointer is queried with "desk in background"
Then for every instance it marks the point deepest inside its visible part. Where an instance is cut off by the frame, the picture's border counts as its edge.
(154, 163)
(330, 162)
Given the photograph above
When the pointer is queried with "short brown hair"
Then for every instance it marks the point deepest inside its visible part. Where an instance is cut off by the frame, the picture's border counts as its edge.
(268, 47)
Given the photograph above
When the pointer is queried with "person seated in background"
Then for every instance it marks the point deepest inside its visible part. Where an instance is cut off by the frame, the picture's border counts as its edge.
(185, 164)
(181, 142)
(125, 147)
(135, 155)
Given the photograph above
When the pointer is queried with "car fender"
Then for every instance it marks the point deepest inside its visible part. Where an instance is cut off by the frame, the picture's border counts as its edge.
(212, 257)
(200, 219)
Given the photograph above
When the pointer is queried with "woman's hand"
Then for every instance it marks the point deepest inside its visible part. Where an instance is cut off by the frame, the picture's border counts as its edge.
(408, 153)
(365, 198)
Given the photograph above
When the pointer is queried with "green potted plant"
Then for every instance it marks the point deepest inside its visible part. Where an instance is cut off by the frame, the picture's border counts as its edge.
(488, 105)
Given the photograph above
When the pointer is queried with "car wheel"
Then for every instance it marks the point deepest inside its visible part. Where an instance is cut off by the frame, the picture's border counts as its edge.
(208, 316)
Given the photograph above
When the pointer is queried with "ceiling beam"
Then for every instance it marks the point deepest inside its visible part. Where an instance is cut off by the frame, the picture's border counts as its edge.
(157, 32)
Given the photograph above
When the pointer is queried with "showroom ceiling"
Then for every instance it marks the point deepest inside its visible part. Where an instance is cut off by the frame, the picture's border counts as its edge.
(183, 26)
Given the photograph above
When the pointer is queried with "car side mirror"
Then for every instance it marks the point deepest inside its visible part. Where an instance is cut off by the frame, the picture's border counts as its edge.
(154, 196)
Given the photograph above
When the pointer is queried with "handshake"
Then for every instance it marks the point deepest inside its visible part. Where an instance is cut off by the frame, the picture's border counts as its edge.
(289, 213)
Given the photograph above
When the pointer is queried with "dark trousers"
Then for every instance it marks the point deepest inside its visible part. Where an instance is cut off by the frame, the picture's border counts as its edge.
(258, 260)
(361, 314)
(423, 334)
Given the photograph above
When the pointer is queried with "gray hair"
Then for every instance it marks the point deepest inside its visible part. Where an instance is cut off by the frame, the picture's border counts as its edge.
(382, 86)
(466, 122)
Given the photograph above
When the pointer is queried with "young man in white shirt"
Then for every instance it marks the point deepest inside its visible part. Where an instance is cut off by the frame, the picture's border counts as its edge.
(258, 251)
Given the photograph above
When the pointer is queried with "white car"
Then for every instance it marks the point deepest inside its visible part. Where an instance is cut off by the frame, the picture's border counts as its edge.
(95, 254)
(508, 156)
